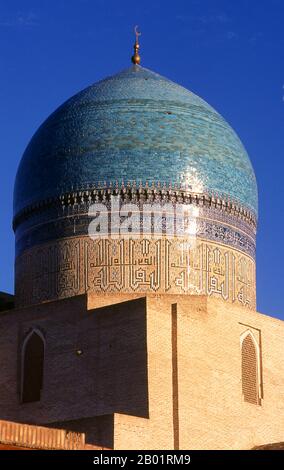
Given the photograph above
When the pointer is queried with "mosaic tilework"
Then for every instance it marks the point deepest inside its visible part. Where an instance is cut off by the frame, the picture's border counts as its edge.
(210, 225)
(77, 265)
(55, 256)
(78, 202)
(131, 127)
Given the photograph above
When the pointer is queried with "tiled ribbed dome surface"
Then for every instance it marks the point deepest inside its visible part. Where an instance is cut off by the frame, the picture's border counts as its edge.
(135, 126)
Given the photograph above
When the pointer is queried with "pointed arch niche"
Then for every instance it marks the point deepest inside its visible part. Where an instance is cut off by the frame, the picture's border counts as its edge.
(251, 369)
(32, 364)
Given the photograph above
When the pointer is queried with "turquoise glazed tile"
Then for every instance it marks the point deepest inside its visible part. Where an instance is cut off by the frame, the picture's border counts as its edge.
(135, 126)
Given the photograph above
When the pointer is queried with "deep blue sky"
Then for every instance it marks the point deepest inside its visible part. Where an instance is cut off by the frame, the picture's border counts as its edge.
(229, 52)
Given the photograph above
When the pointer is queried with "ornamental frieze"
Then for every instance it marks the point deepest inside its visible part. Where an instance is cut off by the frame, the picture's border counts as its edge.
(78, 265)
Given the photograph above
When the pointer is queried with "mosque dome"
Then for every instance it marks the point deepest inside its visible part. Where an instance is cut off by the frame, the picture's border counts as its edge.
(136, 138)
(135, 126)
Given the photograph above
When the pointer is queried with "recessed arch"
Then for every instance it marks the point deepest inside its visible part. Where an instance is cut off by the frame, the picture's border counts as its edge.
(251, 374)
(250, 333)
(32, 362)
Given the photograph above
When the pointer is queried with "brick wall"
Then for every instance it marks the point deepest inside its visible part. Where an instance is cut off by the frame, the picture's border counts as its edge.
(15, 435)
(212, 413)
(110, 374)
(145, 379)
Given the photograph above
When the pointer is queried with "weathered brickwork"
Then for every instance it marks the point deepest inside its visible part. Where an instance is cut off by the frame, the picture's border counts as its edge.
(37, 437)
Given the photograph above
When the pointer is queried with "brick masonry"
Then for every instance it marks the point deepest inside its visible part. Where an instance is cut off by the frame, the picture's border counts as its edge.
(137, 363)
(15, 436)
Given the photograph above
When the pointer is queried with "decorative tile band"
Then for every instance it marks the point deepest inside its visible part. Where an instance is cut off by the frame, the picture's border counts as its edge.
(213, 222)
(77, 265)
(134, 191)
(220, 231)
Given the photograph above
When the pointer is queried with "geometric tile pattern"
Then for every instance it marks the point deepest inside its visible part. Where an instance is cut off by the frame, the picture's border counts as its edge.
(73, 266)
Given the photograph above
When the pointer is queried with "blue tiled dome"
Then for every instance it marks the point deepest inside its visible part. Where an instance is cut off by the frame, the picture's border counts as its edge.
(135, 126)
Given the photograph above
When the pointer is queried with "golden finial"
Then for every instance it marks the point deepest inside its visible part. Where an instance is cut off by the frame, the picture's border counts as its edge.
(136, 57)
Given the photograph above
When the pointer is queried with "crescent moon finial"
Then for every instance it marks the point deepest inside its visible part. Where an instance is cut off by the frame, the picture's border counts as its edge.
(136, 57)
(137, 33)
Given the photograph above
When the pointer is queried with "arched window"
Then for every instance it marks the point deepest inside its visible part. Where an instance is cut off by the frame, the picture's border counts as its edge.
(32, 367)
(250, 369)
